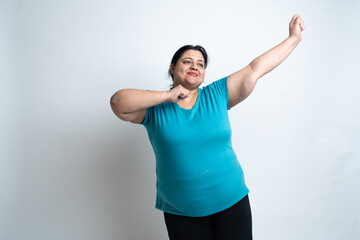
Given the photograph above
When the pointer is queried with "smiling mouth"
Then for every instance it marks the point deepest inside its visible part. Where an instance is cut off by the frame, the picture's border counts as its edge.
(193, 74)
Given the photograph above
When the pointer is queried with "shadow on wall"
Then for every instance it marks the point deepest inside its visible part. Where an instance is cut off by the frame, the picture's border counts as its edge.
(129, 175)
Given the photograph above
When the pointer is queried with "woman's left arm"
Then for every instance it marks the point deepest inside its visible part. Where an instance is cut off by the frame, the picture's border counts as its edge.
(241, 83)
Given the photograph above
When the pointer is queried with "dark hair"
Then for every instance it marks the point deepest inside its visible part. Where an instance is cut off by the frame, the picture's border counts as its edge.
(183, 49)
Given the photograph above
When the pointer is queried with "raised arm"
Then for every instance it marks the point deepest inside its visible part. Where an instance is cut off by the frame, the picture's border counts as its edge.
(131, 104)
(241, 83)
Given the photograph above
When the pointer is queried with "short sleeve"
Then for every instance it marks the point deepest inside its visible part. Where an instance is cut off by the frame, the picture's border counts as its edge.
(147, 116)
(220, 90)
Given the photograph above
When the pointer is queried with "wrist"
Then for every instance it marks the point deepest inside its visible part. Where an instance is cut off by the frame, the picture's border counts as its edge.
(168, 95)
(294, 39)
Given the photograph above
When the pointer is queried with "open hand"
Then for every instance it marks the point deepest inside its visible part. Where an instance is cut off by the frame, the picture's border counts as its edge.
(296, 26)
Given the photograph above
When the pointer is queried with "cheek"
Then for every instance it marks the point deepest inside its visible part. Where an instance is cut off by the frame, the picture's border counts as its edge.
(184, 69)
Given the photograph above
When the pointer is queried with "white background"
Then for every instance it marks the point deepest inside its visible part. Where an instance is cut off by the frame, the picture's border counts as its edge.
(70, 169)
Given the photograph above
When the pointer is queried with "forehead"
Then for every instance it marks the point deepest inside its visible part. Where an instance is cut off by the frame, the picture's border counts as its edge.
(194, 54)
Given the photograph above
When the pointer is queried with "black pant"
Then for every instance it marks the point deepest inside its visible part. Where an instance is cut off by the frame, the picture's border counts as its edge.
(233, 223)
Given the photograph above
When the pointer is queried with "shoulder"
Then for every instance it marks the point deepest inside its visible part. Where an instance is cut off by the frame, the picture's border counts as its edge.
(218, 87)
(218, 84)
(218, 91)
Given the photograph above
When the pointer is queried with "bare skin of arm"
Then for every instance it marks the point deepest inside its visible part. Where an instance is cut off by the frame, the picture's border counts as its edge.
(241, 83)
(131, 104)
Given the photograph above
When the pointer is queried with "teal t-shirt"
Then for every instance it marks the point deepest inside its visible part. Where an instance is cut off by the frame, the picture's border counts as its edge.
(197, 170)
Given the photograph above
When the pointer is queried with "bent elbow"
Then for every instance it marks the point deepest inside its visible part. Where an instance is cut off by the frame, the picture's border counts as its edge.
(116, 106)
(114, 99)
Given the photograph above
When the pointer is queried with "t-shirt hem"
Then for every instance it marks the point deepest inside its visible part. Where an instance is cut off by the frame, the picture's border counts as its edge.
(207, 213)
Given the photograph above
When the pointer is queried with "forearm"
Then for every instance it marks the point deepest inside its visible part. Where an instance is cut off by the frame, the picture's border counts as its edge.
(133, 100)
(272, 58)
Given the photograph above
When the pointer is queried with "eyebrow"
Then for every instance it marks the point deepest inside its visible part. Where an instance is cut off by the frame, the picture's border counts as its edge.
(193, 59)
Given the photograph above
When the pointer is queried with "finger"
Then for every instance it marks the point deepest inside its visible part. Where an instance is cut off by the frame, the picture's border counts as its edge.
(183, 94)
(295, 20)
(302, 25)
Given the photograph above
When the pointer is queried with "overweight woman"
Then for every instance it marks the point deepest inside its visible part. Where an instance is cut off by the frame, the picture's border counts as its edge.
(200, 183)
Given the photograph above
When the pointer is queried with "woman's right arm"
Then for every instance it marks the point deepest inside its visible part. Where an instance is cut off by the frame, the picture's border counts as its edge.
(131, 104)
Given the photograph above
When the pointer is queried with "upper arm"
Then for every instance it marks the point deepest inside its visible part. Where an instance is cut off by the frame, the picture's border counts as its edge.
(240, 84)
(134, 117)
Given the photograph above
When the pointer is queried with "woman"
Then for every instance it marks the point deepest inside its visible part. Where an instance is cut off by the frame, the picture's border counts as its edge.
(200, 184)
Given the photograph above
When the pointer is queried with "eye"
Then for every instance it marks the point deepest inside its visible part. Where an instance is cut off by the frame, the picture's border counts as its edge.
(200, 65)
(187, 61)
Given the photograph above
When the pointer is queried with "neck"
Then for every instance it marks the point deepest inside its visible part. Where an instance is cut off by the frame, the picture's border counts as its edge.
(192, 95)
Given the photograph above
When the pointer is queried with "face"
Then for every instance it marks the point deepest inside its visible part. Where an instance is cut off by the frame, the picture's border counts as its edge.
(189, 70)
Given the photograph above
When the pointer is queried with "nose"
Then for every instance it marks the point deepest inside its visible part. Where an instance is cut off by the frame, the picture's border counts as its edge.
(193, 66)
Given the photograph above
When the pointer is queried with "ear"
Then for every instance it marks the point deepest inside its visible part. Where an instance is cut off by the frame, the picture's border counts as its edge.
(172, 67)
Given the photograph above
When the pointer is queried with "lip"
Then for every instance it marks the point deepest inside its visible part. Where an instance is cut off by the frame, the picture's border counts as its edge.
(193, 74)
